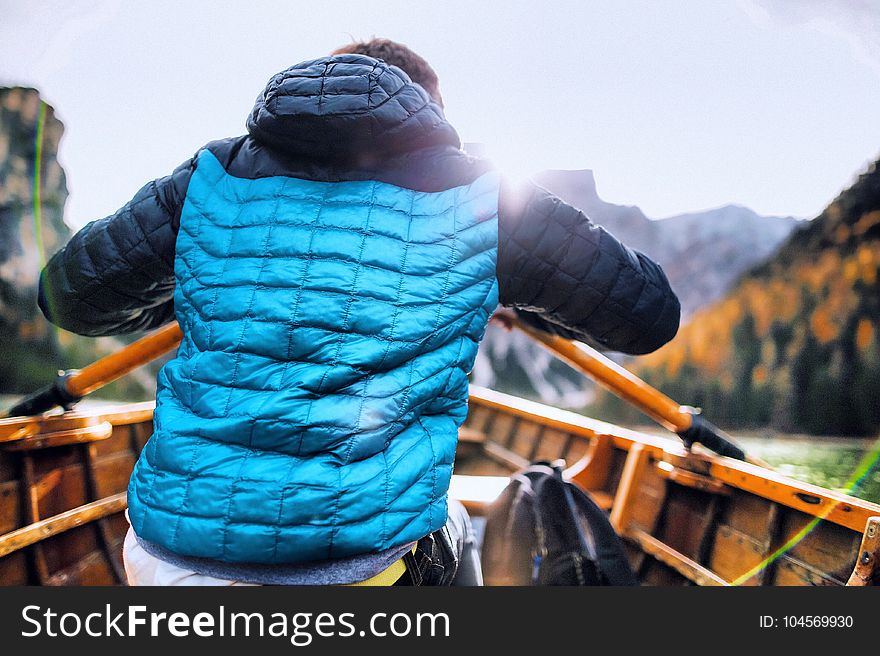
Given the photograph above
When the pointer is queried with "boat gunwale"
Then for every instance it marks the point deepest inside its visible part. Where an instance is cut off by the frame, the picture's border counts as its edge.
(18, 428)
(835, 507)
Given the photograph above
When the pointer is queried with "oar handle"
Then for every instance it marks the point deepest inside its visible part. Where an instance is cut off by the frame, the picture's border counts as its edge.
(683, 420)
(70, 386)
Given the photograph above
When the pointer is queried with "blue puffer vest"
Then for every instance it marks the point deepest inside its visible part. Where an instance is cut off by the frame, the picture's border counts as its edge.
(329, 324)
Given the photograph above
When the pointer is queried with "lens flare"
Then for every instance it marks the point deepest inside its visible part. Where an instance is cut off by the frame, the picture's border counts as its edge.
(38, 183)
(37, 196)
(865, 466)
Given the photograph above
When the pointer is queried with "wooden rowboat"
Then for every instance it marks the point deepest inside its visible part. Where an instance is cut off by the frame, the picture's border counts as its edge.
(687, 517)
(62, 494)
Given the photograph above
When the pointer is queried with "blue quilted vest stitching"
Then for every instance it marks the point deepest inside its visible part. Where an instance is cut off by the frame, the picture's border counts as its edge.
(313, 406)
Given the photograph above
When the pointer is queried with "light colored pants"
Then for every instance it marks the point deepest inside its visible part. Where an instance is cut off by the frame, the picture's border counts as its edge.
(455, 542)
(143, 569)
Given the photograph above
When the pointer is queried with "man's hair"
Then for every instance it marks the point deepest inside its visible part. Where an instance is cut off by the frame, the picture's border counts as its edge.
(399, 55)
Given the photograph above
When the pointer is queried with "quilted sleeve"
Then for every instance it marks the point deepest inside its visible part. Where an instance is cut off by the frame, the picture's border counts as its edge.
(116, 275)
(566, 275)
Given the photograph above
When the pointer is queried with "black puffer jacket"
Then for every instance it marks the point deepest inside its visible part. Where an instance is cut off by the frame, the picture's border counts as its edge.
(560, 271)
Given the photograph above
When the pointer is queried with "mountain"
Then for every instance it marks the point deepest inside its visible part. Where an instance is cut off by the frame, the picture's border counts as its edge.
(702, 253)
(31, 229)
(794, 344)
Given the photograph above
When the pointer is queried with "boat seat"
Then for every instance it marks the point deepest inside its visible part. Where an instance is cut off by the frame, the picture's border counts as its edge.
(477, 493)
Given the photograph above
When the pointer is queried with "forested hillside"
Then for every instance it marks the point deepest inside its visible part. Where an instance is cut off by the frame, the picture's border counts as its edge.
(795, 344)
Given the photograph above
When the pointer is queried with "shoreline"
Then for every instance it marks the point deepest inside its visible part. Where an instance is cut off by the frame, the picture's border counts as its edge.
(755, 436)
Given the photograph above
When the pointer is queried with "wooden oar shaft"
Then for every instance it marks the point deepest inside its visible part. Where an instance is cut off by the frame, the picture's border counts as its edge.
(114, 366)
(671, 415)
(614, 378)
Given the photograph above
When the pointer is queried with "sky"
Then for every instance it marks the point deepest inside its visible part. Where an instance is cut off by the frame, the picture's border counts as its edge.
(676, 106)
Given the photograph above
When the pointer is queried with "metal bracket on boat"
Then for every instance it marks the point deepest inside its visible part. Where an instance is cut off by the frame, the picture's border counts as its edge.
(867, 570)
(709, 435)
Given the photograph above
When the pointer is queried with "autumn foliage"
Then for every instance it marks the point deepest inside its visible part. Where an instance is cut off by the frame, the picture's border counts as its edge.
(795, 344)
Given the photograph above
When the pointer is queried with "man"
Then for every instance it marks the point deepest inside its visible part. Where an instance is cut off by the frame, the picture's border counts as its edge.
(333, 272)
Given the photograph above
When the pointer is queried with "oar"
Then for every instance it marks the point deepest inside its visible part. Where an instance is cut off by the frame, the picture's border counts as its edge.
(683, 420)
(70, 386)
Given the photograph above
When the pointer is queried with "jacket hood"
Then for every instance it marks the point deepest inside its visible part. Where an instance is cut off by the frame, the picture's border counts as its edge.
(347, 107)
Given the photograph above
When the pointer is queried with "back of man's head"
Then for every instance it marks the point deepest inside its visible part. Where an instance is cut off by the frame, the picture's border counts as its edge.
(399, 55)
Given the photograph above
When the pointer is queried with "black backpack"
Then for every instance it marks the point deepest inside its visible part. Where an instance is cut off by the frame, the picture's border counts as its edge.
(543, 530)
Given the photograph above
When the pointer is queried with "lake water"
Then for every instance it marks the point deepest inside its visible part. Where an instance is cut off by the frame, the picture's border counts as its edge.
(829, 462)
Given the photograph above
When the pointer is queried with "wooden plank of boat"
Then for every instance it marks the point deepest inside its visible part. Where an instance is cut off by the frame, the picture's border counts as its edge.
(687, 567)
(92, 433)
(64, 471)
(831, 506)
(17, 428)
(45, 528)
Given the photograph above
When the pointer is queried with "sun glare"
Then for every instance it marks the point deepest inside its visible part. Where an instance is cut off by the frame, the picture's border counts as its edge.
(515, 164)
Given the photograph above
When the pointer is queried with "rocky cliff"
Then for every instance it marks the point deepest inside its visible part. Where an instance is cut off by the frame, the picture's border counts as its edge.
(33, 191)
(32, 195)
